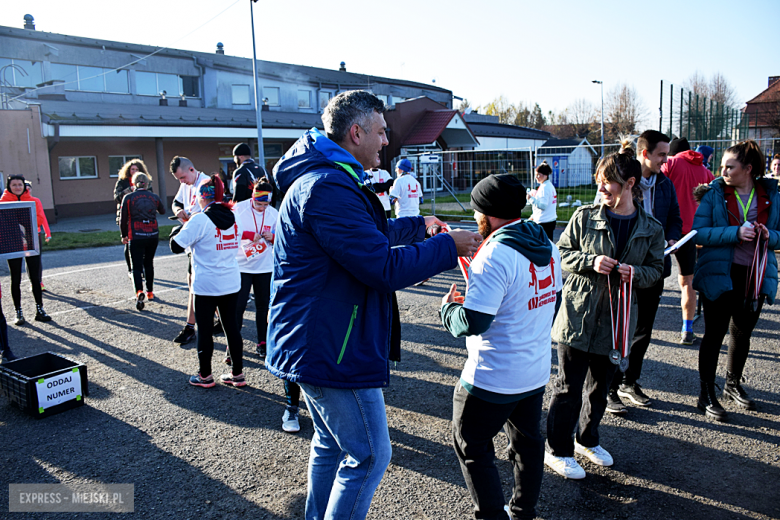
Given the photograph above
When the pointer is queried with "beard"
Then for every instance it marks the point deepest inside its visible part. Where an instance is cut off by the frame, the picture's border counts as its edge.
(484, 228)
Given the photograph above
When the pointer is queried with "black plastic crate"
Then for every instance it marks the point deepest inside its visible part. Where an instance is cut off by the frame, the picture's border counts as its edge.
(19, 383)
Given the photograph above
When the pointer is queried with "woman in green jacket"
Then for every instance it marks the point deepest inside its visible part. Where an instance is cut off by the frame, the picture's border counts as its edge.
(614, 239)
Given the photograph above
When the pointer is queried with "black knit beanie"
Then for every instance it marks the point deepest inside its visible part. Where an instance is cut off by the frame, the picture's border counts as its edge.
(678, 146)
(499, 196)
(242, 149)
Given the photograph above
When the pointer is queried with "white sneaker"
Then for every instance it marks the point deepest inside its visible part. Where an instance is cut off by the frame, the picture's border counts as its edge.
(597, 455)
(290, 422)
(564, 466)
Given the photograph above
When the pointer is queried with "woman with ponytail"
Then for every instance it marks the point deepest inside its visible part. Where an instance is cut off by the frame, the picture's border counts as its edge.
(603, 246)
(212, 236)
(738, 224)
(544, 200)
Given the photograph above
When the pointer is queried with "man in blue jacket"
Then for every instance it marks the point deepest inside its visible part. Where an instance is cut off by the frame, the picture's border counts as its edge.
(659, 199)
(333, 322)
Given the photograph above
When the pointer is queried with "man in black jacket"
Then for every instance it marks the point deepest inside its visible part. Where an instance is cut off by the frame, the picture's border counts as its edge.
(246, 174)
(659, 199)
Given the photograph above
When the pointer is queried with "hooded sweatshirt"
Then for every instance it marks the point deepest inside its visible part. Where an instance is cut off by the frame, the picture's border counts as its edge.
(336, 268)
(212, 236)
(508, 312)
(26, 197)
(686, 172)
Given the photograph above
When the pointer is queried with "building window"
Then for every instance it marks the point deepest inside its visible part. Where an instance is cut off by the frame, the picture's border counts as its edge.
(77, 168)
(115, 163)
(383, 98)
(271, 94)
(29, 75)
(91, 79)
(154, 83)
(324, 99)
(241, 95)
(304, 99)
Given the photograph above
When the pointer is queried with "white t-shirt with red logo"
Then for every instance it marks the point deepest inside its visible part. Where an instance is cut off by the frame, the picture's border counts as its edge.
(214, 266)
(188, 195)
(257, 257)
(408, 192)
(375, 176)
(545, 203)
(513, 355)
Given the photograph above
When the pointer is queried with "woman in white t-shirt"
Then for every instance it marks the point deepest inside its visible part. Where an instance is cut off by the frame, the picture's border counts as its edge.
(544, 200)
(212, 237)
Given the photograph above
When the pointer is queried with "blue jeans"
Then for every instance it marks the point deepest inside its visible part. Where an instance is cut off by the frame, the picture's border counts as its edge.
(350, 451)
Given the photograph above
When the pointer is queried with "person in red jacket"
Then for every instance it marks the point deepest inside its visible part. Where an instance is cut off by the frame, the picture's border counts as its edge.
(17, 192)
(686, 171)
(43, 226)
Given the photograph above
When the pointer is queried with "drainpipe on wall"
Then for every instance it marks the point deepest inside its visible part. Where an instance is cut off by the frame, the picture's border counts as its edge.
(202, 70)
(161, 176)
(56, 139)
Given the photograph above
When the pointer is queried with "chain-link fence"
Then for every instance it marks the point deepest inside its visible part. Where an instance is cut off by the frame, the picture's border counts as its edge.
(448, 177)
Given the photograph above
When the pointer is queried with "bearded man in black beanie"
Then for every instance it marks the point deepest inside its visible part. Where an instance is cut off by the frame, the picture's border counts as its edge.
(506, 315)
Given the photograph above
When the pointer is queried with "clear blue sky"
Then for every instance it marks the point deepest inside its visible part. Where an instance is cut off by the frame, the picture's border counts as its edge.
(543, 51)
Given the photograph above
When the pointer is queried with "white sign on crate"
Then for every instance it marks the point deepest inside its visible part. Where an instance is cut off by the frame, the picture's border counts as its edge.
(58, 389)
(430, 158)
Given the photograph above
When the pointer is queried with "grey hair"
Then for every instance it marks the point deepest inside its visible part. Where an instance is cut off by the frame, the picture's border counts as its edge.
(140, 179)
(349, 108)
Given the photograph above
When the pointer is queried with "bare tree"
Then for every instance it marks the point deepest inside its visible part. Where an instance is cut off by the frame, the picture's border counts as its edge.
(717, 88)
(624, 111)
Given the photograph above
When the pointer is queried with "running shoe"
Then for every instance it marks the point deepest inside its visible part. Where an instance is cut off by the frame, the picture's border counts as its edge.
(130, 275)
(261, 351)
(597, 454)
(149, 295)
(42, 287)
(186, 335)
(564, 466)
(139, 300)
(614, 404)
(687, 338)
(634, 394)
(233, 380)
(290, 422)
(227, 360)
(205, 382)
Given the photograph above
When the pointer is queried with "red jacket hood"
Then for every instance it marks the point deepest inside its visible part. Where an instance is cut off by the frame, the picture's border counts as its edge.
(691, 156)
(10, 197)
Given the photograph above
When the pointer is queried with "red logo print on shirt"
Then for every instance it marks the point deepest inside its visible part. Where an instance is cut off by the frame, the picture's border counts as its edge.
(542, 284)
(225, 241)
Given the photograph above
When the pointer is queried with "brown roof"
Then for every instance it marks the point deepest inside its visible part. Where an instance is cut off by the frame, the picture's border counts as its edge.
(769, 95)
(429, 127)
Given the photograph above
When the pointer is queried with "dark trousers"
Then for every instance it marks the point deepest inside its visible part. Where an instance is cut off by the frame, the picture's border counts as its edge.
(261, 285)
(204, 319)
(292, 393)
(647, 301)
(127, 258)
(474, 424)
(578, 370)
(142, 251)
(33, 272)
(727, 313)
(4, 346)
(549, 228)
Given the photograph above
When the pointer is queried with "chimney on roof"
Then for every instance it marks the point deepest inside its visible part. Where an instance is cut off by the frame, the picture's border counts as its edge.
(29, 22)
(772, 79)
(220, 48)
(342, 67)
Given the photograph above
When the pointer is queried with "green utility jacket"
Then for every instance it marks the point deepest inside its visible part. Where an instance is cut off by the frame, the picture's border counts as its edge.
(583, 321)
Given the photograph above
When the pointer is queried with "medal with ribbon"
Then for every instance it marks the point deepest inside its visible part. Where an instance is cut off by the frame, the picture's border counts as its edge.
(621, 321)
(755, 277)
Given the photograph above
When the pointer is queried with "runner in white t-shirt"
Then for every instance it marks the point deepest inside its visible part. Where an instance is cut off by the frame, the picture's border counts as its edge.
(507, 315)
(185, 204)
(380, 181)
(544, 200)
(406, 191)
(213, 237)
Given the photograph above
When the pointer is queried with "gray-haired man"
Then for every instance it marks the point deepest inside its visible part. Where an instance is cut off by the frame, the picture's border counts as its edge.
(333, 319)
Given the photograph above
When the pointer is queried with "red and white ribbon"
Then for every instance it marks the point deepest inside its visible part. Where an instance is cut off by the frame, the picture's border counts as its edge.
(757, 270)
(620, 339)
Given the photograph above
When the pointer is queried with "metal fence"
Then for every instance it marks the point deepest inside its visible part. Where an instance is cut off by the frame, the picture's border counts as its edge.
(448, 177)
(683, 113)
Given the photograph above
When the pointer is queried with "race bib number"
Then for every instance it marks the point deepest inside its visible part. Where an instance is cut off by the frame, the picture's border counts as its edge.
(254, 249)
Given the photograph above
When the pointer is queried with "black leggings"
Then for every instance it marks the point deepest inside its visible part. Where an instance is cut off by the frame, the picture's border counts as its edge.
(33, 272)
(727, 313)
(262, 291)
(292, 393)
(549, 228)
(142, 260)
(127, 258)
(204, 319)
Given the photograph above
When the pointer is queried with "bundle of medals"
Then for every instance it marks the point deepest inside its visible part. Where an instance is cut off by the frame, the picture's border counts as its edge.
(756, 274)
(621, 321)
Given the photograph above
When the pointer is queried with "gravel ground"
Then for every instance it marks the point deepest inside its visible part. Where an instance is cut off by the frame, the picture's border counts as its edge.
(220, 453)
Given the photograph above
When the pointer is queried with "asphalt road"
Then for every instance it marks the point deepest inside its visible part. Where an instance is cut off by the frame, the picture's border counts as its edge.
(221, 453)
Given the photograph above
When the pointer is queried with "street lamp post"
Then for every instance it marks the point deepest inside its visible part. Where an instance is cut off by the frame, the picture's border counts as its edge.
(258, 107)
(602, 115)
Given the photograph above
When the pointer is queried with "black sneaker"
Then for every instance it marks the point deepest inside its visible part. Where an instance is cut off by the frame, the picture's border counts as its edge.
(139, 300)
(687, 338)
(260, 349)
(615, 405)
(186, 335)
(634, 394)
(40, 315)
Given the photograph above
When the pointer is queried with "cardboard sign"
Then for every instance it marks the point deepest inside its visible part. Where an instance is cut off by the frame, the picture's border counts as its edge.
(58, 389)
